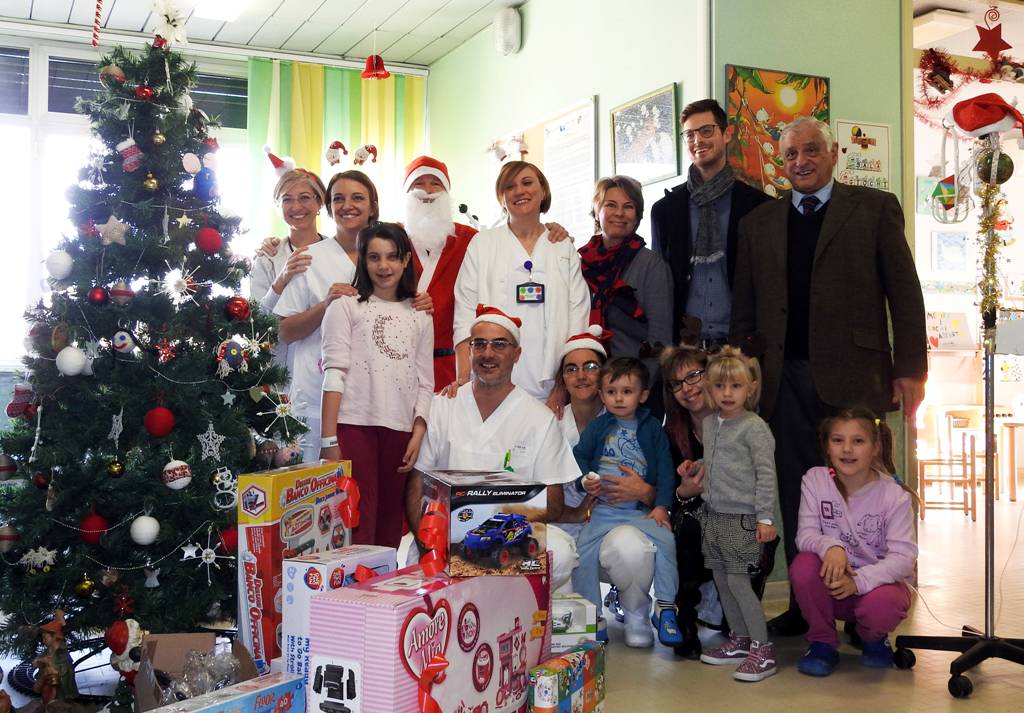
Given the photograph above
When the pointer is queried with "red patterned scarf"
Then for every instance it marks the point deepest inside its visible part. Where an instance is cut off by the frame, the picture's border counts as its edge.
(602, 269)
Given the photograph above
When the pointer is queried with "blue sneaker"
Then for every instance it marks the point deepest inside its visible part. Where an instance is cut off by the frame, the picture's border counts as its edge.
(877, 654)
(668, 629)
(611, 602)
(820, 660)
(602, 630)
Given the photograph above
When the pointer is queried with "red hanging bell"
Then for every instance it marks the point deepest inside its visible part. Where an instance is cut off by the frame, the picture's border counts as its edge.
(375, 68)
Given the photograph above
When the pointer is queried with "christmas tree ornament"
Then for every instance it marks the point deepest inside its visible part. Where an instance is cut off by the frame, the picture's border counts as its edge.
(87, 230)
(180, 286)
(365, 153)
(150, 183)
(8, 539)
(144, 92)
(237, 307)
(256, 393)
(266, 451)
(121, 294)
(231, 356)
(92, 527)
(207, 555)
(144, 530)
(183, 221)
(51, 497)
(151, 577)
(109, 577)
(211, 143)
(131, 153)
(158, 138)
(228, 398)
(124, 605)
(208, 240)
(170, 23)
(86, 587)
(115, 468)
(290, 454)
(98, 295)
(176, 475)
(375, 68)
(7, 467)
(159, 421)
(226, 484)
(59, 337)
(228, 538)
(283, 411)
(335, 151)
(116, 428)
(189, 552)
(204, 185)
(39, 560)
(71, 361)
(210, 441)
(184, 103)
(59, 264)
(41, 480)
(165, 350)
(191, 163)
(1004, 167)
(112, 73)
(210, 160)
(21, 400)
(159, 42)
(122, 342)
(113, 231)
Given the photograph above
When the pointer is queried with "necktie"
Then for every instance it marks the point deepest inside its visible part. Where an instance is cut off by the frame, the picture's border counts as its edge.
(808, 204)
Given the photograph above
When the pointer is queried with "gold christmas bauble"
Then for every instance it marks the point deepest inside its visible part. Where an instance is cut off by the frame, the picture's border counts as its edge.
(158, 138)
(150, 184)
(86, 587)
(115, 469)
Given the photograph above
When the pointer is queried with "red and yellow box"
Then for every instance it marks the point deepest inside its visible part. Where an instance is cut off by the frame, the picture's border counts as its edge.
(284, 513)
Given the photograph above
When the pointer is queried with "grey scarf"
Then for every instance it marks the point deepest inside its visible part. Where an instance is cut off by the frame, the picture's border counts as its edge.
(708, 245)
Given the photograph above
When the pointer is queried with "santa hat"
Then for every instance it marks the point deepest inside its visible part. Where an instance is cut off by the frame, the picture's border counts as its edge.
(485, 313)
(589, 339)
(986, 114)
(426, 166)
(281, 165)
(121, 636)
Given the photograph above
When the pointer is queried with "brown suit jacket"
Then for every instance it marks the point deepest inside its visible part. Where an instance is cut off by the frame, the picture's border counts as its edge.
(861, 262)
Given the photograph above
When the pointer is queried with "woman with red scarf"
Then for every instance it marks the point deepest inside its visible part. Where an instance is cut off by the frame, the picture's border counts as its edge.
(630, 286)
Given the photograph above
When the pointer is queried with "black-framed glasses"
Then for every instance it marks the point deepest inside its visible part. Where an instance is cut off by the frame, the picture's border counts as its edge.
(705, 132)
(498, 345)
(692, 378)
(589, 367)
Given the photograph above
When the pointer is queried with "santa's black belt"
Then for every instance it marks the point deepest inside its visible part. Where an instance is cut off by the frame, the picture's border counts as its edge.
(438, 353)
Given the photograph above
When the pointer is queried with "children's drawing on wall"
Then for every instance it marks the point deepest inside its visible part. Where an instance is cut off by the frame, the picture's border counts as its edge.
(863, 154)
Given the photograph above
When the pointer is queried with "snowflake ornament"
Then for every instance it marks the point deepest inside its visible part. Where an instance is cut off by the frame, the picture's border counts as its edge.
(210, 442)
(282, 412)
(165, 350)
(180, 286)
(207, 555)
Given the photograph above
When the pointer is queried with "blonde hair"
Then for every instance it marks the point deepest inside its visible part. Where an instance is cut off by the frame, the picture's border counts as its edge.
(628, 185)
(300, 175)
(730, 364)
(508, 173)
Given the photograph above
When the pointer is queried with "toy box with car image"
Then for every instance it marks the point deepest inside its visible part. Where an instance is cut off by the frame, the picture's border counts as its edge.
(372, 644)
(490, 531)
(273, 693)
(573, 621)
(284, 513)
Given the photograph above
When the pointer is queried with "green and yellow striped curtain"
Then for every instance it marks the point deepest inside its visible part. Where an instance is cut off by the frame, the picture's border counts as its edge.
(299, 109)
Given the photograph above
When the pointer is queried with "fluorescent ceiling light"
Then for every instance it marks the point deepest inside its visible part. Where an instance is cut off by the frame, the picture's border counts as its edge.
(224, 10)
(938, 25)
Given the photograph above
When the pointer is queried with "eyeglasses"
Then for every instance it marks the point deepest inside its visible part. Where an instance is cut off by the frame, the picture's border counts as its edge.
(303, 199)
(498, 345)
(589, 366)
(692, 379)
(705, 132)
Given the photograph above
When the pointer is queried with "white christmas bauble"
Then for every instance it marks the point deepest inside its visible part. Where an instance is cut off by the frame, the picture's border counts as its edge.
(144, 530)
(8, 538)
(191, 163)
(177, 475)
(58, 264)
(71, 361)
(122, 342)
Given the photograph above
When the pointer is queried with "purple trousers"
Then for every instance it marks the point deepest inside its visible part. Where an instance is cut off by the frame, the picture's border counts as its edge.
(876, 613)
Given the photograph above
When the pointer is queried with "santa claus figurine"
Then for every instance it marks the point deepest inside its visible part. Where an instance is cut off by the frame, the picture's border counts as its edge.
(124, 639)
(365, 153)
(335, 151)
(440, 245)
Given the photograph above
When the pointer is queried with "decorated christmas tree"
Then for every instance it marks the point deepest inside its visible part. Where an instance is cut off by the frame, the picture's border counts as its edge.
(148, 380)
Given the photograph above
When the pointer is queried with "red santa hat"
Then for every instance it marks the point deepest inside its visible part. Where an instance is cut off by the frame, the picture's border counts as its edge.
(486, 313)
(986, 114)
(281, 165)
(426, 166)
(589, 339)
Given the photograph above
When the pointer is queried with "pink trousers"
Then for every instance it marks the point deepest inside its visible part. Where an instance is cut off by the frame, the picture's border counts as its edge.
(376, 454)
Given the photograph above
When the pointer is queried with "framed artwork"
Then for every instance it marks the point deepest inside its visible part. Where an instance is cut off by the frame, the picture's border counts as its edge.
(950, 251)
(644, 142)
(925, 188)
(863, 154)
(759, 103)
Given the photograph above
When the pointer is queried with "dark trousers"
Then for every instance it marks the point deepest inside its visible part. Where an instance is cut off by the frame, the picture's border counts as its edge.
(376, 454)
(798, 413)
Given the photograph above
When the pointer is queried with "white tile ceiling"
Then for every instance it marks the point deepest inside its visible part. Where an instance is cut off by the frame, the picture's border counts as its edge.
(407, 31)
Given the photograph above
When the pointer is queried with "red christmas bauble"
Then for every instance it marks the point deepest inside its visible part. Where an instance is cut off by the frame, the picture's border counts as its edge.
(144, 92)
(98, 295)
(237, 308)
(211, 143)
(209, 240)
(88, 229)
(158, 421)
(228, 538)
(93, 526)
(159, 42)
(41, 480)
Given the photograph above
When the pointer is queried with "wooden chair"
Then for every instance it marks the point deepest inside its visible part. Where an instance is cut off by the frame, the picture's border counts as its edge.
(960, 472)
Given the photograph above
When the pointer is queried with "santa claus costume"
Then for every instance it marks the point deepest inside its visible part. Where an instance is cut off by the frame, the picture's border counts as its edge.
(440, 245)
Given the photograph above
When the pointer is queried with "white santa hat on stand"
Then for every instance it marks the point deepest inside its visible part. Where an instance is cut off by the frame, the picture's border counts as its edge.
(590, 339)
(426, 166)
(281, 165)
(486, 313)
(985, 114)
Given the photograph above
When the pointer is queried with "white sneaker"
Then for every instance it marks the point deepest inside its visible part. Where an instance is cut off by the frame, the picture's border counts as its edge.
(639, 634)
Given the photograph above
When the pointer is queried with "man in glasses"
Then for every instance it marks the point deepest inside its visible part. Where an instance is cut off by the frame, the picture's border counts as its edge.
(694, 227)
(493, 425)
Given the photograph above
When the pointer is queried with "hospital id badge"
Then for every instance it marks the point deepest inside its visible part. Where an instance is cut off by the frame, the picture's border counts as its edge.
(530, 293)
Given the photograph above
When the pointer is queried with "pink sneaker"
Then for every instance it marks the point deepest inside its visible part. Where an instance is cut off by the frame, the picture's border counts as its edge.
(759, 665)
(734, 651)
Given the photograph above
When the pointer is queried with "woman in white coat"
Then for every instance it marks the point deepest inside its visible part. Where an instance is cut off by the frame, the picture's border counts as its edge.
(516, 268)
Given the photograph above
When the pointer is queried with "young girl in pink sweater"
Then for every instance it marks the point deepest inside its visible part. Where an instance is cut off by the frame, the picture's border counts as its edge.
(857, 545)
(378, 363)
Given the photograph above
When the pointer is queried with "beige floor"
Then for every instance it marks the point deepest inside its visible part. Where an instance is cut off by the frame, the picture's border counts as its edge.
(951, 573)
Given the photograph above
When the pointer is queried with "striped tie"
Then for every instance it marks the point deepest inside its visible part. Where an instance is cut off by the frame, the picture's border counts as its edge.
(809, 204)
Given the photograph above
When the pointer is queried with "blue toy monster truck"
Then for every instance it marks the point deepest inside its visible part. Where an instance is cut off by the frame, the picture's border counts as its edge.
(499, 539)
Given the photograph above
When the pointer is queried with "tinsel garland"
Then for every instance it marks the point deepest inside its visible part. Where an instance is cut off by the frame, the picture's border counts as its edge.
(990, 242)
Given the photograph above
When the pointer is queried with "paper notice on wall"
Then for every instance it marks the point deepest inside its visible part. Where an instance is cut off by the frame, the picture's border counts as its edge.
(570, 167)
(863, 154)
(949, 330)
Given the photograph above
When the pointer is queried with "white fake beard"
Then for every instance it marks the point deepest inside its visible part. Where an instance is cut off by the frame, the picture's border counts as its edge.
(428, 224)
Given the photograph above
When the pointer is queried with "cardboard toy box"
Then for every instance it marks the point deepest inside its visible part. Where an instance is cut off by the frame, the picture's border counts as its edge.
(282, 513)
(573, 621)
(273, 693)
(489, 532)
(370, 642)
(571, 682)
(309, 575)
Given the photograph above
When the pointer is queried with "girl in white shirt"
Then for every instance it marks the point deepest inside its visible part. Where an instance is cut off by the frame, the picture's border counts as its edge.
(378, 380)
